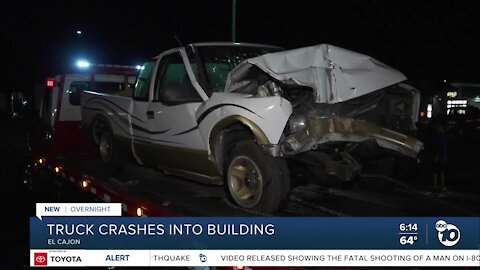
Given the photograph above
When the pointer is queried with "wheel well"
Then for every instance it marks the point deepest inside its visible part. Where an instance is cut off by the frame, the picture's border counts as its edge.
(226, 138)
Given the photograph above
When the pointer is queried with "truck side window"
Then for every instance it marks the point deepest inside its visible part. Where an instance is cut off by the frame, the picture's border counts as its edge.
(172, 72)
(142, 87)
(74, 91)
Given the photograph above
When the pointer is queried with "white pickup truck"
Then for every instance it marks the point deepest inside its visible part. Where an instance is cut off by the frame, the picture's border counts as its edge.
(251, 116)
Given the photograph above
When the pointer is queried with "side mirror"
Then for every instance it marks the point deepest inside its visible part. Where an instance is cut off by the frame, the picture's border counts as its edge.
(175, 94)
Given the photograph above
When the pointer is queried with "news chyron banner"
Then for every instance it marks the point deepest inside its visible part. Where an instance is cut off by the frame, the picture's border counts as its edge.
(97, 235)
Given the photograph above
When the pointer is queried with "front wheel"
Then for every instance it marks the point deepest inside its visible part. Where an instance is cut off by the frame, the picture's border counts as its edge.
(256, 180)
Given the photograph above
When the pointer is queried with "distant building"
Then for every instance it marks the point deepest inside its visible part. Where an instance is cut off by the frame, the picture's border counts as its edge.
(461, 95)
(457, 98)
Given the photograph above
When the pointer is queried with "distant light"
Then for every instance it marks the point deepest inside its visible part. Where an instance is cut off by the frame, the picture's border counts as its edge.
(452, 94)
(138, 67)
(83, 64)
(84, 183)
(459, 101)
(139, 211)
(79, 32)
(429, 110)
(50, 82)
(444, 80)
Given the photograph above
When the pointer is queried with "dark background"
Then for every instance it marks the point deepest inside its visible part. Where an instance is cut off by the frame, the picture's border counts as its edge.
(427, 40)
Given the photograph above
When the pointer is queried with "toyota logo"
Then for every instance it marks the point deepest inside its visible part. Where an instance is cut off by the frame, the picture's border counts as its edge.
(40, 259)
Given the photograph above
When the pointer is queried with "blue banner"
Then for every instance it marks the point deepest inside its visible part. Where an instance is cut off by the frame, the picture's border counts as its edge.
(255, 233)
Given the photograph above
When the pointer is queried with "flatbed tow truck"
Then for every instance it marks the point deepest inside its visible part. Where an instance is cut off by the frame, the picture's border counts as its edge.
(148, 192)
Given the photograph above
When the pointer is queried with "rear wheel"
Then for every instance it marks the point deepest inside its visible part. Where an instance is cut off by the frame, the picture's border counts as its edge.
(109, 152)
(98, 127)
(256, 180)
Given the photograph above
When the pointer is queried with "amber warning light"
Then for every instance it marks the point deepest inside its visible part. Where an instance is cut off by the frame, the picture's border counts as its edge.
(50, 83)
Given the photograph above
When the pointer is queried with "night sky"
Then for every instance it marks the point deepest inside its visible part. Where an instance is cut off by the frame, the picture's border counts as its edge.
(428, 41)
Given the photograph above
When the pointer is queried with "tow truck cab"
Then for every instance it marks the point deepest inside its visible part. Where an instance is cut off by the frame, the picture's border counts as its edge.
(59, 132)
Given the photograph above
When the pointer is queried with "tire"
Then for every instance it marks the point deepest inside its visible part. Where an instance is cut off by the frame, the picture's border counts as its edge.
(97, 130)
(109, 152)
(255, 180)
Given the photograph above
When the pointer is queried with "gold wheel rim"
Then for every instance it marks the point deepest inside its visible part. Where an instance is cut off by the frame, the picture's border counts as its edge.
(245, 182)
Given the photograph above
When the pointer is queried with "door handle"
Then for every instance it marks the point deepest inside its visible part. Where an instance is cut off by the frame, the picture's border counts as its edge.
(150, 115)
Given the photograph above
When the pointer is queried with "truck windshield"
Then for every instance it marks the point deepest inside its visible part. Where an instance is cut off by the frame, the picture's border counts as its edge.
(218, 61)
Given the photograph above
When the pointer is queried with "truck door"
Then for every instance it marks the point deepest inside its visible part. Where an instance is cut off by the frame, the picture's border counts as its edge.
(176, 142)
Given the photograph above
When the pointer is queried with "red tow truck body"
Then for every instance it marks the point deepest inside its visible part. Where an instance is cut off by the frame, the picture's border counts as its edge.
(59, 132)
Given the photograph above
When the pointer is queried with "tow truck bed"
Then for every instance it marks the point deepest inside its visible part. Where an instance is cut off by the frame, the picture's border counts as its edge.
(157, 194)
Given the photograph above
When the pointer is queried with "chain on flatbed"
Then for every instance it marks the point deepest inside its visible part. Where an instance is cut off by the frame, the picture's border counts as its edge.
(457, 195)
(315, 206)
(248, 211)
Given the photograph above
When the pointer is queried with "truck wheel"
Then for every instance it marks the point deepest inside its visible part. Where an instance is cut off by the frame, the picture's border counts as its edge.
(256, 180)
(109, 152)
(98, 128)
